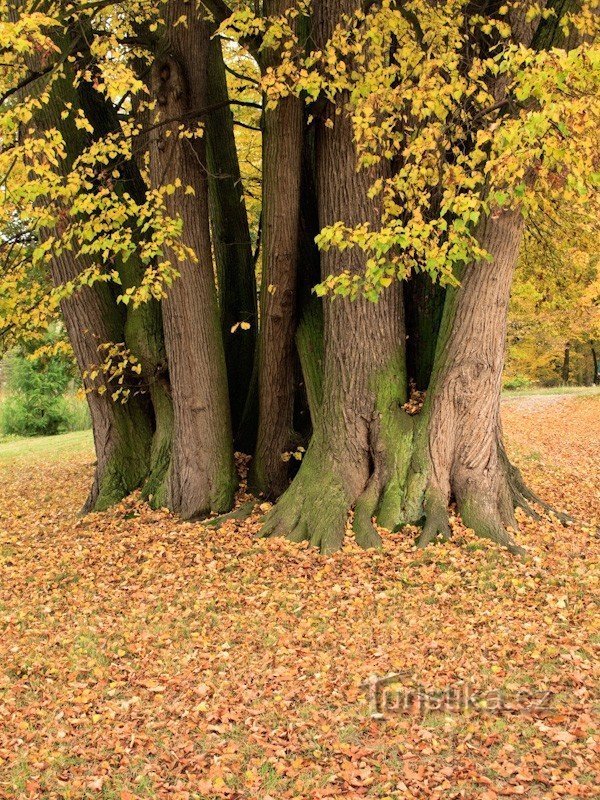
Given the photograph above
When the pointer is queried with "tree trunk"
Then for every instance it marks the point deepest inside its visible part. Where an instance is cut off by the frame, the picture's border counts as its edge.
(232, 248)
(565, 371)
(596, 374)
(143, 332)
(122, 432)
(458, 445)
(347, 463)
(282, 150)
(201, 474)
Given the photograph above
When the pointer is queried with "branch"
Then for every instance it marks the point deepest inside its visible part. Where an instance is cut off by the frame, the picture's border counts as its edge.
(31, 78)
(201, 112)
(219, 9)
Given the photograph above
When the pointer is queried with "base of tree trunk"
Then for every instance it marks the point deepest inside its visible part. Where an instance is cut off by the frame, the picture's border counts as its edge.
(123, 454)
(402, 489)
(315, 506)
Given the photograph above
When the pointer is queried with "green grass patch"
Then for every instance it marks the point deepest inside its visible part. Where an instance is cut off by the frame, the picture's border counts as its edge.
(46, 448)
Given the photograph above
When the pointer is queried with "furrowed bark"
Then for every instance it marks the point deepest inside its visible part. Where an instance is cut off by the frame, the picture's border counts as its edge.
(282, 150)
(201, 474)
(232, 248)
(122, 432)
(459, 453)
(459, 436)
(143, 333)
(364, 380)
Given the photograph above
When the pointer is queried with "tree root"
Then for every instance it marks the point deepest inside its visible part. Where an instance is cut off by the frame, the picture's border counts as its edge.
(120, 477)
(365, 532)
(241, 513)
(313, 509)
(523, 496)
(436, 526)
(479, 514)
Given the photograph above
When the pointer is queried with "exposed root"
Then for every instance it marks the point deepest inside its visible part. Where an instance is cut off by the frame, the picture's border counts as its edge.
(314, 508)
(365, 532)
(481, 515)
(118, 480)
(523, 496)
(436, 526)
(241, 513)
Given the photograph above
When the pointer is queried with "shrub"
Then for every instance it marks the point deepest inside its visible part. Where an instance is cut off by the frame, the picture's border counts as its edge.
(35, 405)
(517, 382)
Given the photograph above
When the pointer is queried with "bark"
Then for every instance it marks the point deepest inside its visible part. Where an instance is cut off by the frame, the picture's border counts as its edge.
(347, 462)
(232, 248)
(596, 374)
(122, 432)
(143, 332)
(201, 474)
(282, 150)
(458, 452)
(424, 304)
(458, 445)
(565, 371)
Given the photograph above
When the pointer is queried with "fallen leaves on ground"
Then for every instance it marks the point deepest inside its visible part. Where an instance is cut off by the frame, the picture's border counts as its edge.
(142, 657)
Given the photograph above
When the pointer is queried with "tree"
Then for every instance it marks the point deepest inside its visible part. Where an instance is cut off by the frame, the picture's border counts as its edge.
(424, 137)
(555, 299)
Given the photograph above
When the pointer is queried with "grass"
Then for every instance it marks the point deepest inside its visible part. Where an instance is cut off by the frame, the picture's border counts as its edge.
(45, 448)
(579, 391)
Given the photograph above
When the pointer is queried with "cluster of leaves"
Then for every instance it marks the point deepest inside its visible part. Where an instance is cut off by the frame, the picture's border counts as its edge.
(117, 366)
(470, 114)
(459, 115)
(62, 187)
(146, 658)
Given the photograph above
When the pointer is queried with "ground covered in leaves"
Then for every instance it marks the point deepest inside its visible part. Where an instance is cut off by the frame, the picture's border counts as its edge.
(141, 657)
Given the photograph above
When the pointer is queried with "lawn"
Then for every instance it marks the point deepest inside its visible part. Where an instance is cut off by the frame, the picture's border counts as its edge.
(143, 657)
(33, 450)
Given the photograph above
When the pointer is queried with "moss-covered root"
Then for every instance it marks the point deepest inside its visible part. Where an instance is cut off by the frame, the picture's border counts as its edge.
(238, 514)
(123, 453)
(314, 508)
(365, 532)
(481, 514)
(155, 487)
(436, 526)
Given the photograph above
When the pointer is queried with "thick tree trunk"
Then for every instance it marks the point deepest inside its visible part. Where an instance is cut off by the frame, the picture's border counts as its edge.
(282, 165)
(201, 474)
(122, 432)
(347, 464)
(143, 333)
(458, 444)
(595, 373)
(232, 247)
